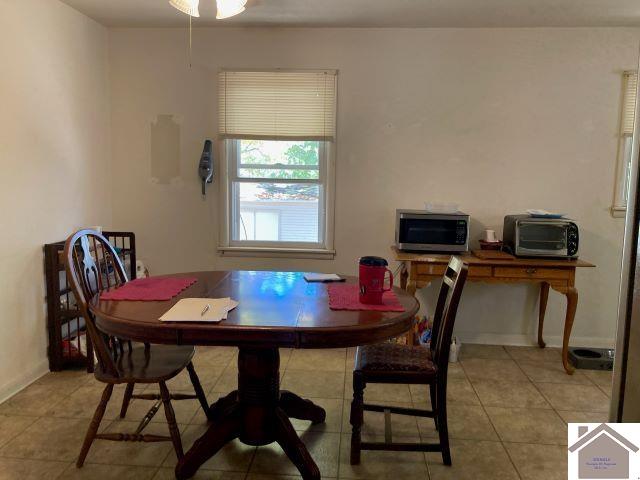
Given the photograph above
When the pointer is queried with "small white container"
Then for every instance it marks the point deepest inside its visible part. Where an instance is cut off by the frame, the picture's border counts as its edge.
(455, 350)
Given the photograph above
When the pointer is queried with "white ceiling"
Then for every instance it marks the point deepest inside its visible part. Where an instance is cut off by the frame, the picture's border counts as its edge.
(373, 13)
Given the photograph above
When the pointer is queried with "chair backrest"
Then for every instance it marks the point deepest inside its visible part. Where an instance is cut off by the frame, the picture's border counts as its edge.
(444, 317)
(93, 265)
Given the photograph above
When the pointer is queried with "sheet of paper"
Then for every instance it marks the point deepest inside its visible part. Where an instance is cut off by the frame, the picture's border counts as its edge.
(322, 277)
(196, 310)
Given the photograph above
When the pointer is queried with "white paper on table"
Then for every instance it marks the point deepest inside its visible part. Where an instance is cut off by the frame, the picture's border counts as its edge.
(190, 310)
(322, 277)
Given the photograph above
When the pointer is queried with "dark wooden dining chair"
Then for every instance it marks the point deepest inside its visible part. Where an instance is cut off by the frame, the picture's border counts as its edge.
(92, 266)
(394, 363)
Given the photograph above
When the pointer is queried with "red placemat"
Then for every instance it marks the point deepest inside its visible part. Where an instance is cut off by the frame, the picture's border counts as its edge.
(346, 297)
(150, 289)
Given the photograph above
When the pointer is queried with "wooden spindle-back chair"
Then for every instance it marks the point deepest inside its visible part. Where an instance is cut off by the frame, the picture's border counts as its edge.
(94, 266)
(395, 363)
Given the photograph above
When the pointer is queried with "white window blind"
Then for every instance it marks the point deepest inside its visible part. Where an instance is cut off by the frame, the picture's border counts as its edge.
(277, 105)
(629, 102)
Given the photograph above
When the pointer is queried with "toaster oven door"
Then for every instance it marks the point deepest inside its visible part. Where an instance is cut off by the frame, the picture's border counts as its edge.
(542, 239)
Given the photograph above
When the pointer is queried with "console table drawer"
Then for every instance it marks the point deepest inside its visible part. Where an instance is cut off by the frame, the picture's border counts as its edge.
(532, 272)
(426, 269)
(477, 271)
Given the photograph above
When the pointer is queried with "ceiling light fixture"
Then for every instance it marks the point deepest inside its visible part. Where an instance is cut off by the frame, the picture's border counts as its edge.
(190, 7)
(229, 8)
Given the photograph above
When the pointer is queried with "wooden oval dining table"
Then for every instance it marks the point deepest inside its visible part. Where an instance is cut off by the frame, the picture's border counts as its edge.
(276, 310)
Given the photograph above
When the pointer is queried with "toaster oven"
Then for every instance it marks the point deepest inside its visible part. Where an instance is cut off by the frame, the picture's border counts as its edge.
(419, 230)
(527, 236)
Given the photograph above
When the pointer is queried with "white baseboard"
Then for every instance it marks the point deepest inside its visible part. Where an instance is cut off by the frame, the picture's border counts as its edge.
(527, 340)
(24, 380)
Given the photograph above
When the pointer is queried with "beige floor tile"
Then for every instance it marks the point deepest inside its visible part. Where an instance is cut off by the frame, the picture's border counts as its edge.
(383, 465)
(471, 350)
(235, 456)
(459, 390)
(552, 372)
(539, 462)
(528, 425)
(473, 460)
(455, 370)
(12, 425)
(66, 380)
(35, 400)
(208, 376)
(318, 360)
(333, 421)
(218, 357)
(502, 394)
(91, 471)
(48, 439)
(602, 378)
(373, 427)
(258, 476)
(467, 422)
(131, 453)
(583, 417)
(314, 384)
(583, 398)
(227, 381)
(323, 447)
(169, 474)
(607, 391)
(82, 403)
(505, 370)
(15, 468)
(534, 354)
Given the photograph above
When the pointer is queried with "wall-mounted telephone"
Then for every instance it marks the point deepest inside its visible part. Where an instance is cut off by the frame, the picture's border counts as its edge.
(205, 169)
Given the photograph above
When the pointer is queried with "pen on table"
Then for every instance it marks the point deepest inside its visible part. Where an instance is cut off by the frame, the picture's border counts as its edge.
(205, 310)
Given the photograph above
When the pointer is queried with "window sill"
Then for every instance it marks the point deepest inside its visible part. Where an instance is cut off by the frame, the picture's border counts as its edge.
(274, 252)
(618, 212)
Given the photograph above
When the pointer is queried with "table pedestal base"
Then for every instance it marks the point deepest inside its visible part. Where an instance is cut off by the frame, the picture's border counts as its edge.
(257, 414)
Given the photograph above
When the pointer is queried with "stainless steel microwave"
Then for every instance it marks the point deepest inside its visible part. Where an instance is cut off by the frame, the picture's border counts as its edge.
(526, 236)
(422, 231)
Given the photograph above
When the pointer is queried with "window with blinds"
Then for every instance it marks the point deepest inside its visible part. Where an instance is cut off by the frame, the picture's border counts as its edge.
(278, 105)
(629, 96)
(629, 102)
(279, 129)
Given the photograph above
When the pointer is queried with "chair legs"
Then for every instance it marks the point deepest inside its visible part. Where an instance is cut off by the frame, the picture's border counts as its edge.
(197, 387)
(434, 404)
(128, 393)
(171, 420)
(438, 394)
(357, 417)
(441, 422)
(94, 425)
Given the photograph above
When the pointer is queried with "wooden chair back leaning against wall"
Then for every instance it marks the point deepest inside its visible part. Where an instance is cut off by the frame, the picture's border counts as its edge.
(394, 363)
(92, 266)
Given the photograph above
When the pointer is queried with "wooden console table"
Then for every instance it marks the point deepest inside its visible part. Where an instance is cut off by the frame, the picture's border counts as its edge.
(420, 269)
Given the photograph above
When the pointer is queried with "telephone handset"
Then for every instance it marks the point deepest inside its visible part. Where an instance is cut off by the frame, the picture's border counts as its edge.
(205, 169)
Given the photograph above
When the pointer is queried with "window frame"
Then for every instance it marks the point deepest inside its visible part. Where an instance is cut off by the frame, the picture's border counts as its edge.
(625, 143)
(324, 249)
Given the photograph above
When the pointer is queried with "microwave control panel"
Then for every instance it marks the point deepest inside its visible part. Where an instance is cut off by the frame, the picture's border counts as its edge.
(461, 232)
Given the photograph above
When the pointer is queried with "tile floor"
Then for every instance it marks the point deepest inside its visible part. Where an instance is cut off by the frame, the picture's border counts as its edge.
(507, 412)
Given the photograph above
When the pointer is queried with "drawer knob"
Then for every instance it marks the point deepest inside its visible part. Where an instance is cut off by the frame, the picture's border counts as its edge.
(531, 271)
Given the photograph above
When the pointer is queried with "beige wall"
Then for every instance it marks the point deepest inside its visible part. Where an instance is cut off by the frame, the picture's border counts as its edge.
(54, 162)
(498, 120)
